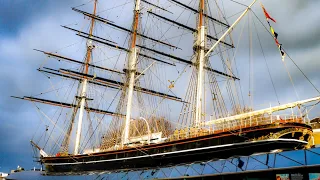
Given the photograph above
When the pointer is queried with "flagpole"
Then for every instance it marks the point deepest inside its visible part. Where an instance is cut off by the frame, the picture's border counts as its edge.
(230, 29)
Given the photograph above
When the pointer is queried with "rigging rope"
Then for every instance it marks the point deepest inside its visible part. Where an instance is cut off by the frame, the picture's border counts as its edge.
(251, 69)
(303, 73)
(114, 128)
(288, 55)
(285, 65)
(100, 121)
(235, 62)
(127, 2)
(264, 57)
(57, 111)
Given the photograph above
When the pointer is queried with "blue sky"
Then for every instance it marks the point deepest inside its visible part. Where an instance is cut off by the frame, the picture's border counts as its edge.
(29, 24)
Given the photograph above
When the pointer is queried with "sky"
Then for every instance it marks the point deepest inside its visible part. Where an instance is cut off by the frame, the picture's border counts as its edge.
(29, 24)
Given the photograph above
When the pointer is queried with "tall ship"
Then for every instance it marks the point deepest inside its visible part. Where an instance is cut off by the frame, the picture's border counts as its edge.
(157, 83)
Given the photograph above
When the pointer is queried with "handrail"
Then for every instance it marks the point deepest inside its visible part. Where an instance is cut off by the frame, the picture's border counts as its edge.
(235, 125)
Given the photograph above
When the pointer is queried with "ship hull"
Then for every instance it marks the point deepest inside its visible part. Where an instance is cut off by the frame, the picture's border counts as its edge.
(202, 148)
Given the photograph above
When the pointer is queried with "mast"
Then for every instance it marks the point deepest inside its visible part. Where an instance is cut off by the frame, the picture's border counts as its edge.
(201, 62)
(84, 84)
(132, 65)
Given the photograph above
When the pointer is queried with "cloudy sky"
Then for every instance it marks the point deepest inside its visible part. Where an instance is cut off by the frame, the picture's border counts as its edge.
(29, 24)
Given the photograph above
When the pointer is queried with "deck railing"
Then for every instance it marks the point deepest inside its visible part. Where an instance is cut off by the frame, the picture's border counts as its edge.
(254, 121)
(235, 125)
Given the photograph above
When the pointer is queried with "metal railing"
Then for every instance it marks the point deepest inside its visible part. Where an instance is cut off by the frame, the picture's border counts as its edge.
(235, 125)
(254, 121)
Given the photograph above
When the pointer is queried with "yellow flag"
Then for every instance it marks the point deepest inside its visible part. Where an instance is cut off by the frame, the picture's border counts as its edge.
(272, 30)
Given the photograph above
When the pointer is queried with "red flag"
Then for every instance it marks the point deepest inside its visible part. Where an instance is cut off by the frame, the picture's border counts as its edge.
(277, 42)
(267, 14)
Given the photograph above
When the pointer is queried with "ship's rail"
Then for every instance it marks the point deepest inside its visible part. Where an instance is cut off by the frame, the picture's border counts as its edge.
(254, 121)
(236, 125)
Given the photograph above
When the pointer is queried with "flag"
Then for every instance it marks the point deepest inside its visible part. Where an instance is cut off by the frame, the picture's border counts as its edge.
(277, 42)
(283, 54)
(267, 14)
(274, 34)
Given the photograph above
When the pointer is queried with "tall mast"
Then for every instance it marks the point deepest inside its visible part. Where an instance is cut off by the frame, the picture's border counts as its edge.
(200, 63)
(132, 65)
(84, 83)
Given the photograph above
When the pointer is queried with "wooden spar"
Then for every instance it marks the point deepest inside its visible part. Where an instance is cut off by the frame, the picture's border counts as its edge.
(107, 83)
(93, 16)
(149, 57)
(106, 43)
(230, 29)
(164, 54)
(76, 78)
(135, 26)
(140, 54)
(187, 62)
(84, 84)
(260, 112)
(67, 105)
(188, 28)
(127, 50)
(81, 32)
(89, 47)
(201, 11)
(204, 14)
(172, 21)
(107, 22)
(78, 62)
(220, 73)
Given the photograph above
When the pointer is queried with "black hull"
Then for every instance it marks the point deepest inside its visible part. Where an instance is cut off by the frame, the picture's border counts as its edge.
(193, 155)
(214, 146)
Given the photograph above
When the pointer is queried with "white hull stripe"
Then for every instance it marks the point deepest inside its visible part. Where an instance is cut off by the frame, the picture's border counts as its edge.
(182, 151)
